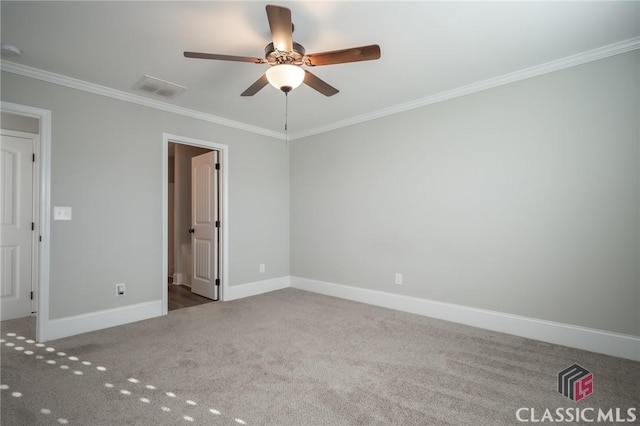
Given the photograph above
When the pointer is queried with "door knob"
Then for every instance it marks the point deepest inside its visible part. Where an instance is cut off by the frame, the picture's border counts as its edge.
(191, 230)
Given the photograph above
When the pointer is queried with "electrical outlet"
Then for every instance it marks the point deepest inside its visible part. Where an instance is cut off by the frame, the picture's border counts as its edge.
(262, 268)
(120, 290)
(398, 278)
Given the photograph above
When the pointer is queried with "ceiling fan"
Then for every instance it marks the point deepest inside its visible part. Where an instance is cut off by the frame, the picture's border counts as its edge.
(286, 58)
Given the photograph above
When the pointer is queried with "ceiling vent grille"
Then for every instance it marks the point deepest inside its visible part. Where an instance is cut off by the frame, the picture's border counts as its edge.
(158, 87)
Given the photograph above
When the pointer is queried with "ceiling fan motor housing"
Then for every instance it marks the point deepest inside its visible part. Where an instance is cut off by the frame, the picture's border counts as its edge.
(295, 57)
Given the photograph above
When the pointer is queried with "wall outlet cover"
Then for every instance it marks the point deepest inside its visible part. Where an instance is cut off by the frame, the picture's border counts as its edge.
(120, 290)
(398, 279)
(61, 213)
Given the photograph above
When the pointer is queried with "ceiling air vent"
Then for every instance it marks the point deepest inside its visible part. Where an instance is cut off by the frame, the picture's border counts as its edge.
(159, 87)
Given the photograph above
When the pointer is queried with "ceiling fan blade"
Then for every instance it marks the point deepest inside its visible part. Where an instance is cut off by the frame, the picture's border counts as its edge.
(280, 26)
(320, 85)
(355, 54)
(198, 55)
(255, 87)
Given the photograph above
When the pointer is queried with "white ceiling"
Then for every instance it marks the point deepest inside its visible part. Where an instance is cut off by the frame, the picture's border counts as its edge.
(427, 48)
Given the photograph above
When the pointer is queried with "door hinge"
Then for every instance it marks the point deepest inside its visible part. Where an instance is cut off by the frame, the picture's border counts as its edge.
(33, 226)
(217, 224)
(39, 238)
(217, 166)
(33, 158)
(217, 281)
(31, 295)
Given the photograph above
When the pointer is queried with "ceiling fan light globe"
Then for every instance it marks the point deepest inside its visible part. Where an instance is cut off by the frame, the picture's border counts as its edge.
(285, 76)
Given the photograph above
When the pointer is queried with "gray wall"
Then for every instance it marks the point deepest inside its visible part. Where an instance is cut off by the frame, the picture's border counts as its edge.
(522, 199)
(19, 123)
(106, 164)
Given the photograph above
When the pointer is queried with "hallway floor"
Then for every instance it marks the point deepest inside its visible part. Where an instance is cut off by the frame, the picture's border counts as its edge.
(180, 296)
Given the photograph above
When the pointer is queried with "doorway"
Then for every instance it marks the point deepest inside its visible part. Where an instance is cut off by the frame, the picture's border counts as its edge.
(194, 234)
(40, 120)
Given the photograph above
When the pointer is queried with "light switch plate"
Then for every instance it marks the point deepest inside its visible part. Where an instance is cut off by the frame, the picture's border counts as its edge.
(61, 213)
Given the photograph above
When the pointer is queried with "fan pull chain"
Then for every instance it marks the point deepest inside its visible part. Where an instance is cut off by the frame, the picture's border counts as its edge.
(286, 118)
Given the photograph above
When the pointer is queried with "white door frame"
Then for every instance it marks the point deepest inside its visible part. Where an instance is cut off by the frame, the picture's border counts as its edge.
(44, 213)
(224, 217)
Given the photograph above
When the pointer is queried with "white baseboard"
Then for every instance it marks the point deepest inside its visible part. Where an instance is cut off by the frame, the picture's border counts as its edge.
(605, 342)
(69, 326)
(253, 289)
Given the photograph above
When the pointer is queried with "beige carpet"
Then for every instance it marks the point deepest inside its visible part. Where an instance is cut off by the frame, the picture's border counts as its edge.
(296, 358)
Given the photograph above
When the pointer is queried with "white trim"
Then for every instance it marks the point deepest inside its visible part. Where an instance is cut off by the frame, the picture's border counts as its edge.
(224, 214)
(177, 278)
(44, 117)
(255, 288)
(605, 342)
(534, 71)
(77, 324)
(97, 89)
(617, 48)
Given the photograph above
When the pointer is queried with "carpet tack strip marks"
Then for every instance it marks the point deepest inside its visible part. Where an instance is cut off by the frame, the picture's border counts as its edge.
(64, 357)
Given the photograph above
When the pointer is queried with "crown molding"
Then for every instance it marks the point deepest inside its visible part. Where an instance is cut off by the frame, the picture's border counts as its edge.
(537, 70)
(97, 89)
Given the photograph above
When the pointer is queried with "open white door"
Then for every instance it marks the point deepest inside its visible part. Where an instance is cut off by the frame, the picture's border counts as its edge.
(205, 224)
(17, 224)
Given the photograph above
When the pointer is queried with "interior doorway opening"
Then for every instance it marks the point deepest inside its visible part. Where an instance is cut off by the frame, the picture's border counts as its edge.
(194, 234)
(39, 122)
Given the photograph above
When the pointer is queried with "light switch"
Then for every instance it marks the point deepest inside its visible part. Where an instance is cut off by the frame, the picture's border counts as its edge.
(61, 213)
